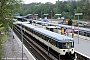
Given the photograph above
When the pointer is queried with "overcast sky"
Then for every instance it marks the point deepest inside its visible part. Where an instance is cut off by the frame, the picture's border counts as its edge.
(42, 1)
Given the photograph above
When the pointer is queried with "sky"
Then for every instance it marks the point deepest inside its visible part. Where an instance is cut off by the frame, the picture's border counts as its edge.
(42, 1)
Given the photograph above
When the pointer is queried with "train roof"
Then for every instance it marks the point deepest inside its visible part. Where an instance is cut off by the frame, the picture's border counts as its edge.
(67, 26)
(80, 28)
(19, 22)
(54, 35)
(29, 26)
(51, 27)
(84, 29)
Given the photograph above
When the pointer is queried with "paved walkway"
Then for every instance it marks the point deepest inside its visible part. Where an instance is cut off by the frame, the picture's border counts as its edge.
(82, 46)
(12, 51)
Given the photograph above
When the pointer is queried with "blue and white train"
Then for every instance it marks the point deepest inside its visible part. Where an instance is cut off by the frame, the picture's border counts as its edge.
(61, 44)
(83, 32)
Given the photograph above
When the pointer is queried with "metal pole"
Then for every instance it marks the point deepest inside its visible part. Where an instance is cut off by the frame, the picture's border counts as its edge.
(48, 47)
(22, 40)
(74, 17)
(12, 39)
(58, 19)
(51, 16)
(78, 29)
(41, 14)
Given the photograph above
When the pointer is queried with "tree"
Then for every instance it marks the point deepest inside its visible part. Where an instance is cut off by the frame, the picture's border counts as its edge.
(7, 10)
(86, 8)
(70, 22)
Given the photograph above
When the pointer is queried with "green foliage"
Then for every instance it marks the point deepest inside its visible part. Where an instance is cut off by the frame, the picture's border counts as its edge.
(66, 8)
(3, 38)
(70, 22)
(78, 10)
(7, 10)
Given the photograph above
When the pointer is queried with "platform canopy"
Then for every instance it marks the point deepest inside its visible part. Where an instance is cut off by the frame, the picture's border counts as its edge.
(35, 14)
(45, 14)
(57, 14)
(78, 13)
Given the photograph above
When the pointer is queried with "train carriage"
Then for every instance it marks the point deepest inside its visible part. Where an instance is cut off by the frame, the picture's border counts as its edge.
(61, 44)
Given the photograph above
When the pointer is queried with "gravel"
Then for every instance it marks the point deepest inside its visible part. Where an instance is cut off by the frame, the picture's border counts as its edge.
(12, 50)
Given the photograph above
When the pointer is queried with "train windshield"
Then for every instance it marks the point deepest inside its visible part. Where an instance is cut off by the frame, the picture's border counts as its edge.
(67, 45)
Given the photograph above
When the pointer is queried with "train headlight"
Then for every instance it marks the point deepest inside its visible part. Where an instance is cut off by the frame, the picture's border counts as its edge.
(72, 49)
(63, 50)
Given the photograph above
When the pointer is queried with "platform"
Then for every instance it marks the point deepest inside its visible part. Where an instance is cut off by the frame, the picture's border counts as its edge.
(25, 50)
(13, 49)
(82, 46)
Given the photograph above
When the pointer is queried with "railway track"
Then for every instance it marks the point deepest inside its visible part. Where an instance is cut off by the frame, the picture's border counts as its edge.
(28, 40)
(80, 56)
(46, 56)
(50, 54)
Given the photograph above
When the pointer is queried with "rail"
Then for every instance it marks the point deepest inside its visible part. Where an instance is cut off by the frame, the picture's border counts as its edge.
(80, 56)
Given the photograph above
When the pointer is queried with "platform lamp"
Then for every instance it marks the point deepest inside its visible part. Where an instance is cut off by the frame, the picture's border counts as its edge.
(51, 16)
(78, 14)
(58, 16)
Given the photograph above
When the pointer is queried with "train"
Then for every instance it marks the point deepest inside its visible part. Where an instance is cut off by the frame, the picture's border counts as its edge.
(61, 44)
(83, 32)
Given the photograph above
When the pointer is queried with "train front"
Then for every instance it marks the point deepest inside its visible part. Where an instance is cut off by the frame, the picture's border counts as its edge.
(67, 51)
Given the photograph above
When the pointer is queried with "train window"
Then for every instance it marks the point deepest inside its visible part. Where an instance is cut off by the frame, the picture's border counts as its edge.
(88, 34)
(29, 29)
(40, 35)
(46, 38)
(67, 45)
(43, 36)
(64, 45)
(76, 32)
(36, 33)
(51, 41)
(54, 42)
(84, 33)
(79, 32)
(72, 44)
(33, 31)
(58, 44)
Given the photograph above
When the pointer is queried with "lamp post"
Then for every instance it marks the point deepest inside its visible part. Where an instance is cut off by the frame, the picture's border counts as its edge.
(21, 33)
(22, 41)
(51, 16)
(78, 14)
(46, 16)
(58, 16)
(36, 16)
